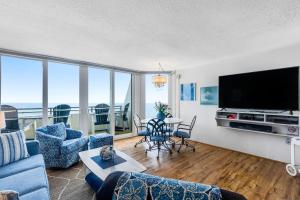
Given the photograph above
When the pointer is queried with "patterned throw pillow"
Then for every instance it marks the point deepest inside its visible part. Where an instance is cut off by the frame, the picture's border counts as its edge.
(57, 130)
(9, 195)
(144, 186)
(12, 147)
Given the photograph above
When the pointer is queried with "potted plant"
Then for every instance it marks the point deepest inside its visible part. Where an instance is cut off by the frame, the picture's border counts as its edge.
(161, 109)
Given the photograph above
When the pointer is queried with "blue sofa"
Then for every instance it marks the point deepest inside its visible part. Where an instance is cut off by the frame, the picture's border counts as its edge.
(126, 185)
(58, 152)
(27, 176)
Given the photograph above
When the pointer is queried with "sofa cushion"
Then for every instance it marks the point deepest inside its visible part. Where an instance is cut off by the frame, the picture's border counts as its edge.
(22, 165)
(9, 195)
(57, 130)
(25, 181)
(12, 147)
(40, 194)
(73, 145)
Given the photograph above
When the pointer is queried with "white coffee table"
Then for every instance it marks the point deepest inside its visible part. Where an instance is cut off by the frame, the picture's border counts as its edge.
(130, 165)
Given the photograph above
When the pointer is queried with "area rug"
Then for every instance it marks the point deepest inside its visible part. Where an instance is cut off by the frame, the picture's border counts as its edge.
(69, 184)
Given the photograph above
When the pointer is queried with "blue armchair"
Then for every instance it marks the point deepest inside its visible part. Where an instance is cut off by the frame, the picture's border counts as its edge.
(61, 150)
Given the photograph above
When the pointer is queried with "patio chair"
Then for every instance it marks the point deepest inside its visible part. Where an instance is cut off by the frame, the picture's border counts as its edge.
(11, 119)
(101, 111)
(61, 113)
(123, 117)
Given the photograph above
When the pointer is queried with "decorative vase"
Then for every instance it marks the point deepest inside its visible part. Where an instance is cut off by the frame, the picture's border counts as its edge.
(107, 152)
(161, 115)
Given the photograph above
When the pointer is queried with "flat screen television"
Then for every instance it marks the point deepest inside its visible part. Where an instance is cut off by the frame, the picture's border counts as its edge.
(264, 90)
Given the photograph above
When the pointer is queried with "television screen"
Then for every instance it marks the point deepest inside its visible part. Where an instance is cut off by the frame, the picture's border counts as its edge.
(266, 90)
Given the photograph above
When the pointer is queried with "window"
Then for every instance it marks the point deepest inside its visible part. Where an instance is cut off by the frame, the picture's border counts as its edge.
(153, 95)
(63, 94)
(123, 103)
(99, 100)
(21, 93)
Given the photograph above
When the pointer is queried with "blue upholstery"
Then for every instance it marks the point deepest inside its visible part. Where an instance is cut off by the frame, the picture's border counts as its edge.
(143, 133)
(60, 153)
(94, 181)
(159, 138)
(28, 176)
(182, 134)
(33, 147)
(57, 130)
(162, 186)
(73, 134)
(144, 186)
(101, 139)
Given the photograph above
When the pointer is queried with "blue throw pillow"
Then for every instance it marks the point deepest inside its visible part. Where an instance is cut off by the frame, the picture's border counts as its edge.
(57, 130)
(12, 147)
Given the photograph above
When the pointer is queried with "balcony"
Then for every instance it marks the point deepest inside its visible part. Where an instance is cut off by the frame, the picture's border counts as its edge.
(29, 119)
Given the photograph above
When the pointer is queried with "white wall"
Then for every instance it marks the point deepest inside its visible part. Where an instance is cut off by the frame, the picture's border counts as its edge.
(206, 130)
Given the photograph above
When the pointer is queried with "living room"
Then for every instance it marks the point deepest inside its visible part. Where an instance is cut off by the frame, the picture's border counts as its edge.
(149, 100)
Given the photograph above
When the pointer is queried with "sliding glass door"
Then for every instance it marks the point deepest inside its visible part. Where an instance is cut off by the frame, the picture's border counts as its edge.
(21, 94)
(63, 94)
(28, 84)
(123, 103)
(99, 100)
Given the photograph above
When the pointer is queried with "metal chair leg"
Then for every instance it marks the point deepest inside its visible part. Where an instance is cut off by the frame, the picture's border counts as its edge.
(141, 141)
(186, 143)
(158, 149)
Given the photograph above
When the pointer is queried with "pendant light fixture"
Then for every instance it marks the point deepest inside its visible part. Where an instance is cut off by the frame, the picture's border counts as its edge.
(159, 80)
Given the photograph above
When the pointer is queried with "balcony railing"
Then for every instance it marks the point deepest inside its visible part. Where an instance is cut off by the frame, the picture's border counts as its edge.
(28, 116)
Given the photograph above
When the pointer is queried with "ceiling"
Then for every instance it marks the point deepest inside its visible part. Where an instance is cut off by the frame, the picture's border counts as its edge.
(137, 34)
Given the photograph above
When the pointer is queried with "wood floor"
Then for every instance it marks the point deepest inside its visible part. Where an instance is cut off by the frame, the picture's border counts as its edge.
(254, 177)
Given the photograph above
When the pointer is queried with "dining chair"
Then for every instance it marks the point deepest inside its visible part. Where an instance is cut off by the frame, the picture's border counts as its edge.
(158, 136)
(184, 132)
(141, 130)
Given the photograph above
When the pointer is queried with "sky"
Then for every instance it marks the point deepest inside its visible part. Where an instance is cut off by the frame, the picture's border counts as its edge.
(22, 83)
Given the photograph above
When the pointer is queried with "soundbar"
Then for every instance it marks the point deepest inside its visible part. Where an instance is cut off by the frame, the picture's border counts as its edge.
(252, 127)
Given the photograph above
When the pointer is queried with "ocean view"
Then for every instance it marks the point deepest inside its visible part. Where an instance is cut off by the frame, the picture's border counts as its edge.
(35, 109)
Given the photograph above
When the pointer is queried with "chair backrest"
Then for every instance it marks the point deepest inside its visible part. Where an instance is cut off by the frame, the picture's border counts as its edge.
(193, 123)
(101, 111)
(11, 117)
(156, 127)
(126, 107)
(169, 115)
(61, 113)
(137, 121)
